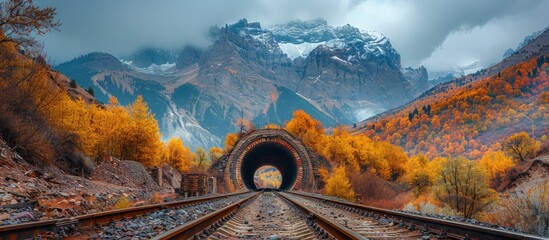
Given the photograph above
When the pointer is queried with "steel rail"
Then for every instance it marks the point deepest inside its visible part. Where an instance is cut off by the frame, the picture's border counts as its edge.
(457, 230)
(191, 229)
(31, 229)
(336, 230)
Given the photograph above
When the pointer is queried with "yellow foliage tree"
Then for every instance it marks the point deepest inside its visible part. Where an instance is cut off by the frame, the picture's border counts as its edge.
(230, 141)
(338, 185)
(462, 186)
(178, 156)
(145, 136)
(394, 158)
(111, 126)
(215, 153)
(496, 164)
(417, 176)
(520, 146)
(337, 148)
(201, 162)
(244, 125)
(307, 129)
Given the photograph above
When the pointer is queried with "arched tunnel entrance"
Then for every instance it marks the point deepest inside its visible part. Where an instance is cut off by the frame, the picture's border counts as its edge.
(273, 154)
(298, 164)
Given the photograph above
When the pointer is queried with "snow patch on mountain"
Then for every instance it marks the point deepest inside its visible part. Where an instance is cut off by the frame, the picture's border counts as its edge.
(299, 38)
(153, 69)
(340, 60)
(176, 123)
(294, 51)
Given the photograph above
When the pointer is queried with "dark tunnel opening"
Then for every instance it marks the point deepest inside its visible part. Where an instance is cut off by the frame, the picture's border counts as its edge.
(269, 154)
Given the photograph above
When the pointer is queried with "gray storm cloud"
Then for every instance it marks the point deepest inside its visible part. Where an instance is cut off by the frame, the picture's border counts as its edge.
(438, 34)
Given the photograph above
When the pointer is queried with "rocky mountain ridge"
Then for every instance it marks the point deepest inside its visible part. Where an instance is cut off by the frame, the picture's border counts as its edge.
(339, 75)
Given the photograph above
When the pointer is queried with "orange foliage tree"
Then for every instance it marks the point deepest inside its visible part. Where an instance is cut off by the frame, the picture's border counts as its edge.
(230, 141)
(307, 129)
(461, 111)
(178, 155)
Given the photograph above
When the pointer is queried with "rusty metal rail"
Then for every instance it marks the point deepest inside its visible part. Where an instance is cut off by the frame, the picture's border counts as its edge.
(194, 228)
(29, 230)
(336, 230)
(191, 229)
(455, 230)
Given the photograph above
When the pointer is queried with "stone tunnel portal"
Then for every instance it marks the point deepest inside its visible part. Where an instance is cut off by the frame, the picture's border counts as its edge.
(298, 164)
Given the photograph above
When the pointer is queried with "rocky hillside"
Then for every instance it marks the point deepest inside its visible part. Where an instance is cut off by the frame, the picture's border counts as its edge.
(339, 75)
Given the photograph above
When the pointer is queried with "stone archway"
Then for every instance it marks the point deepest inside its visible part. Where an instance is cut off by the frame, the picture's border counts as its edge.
(298, 164)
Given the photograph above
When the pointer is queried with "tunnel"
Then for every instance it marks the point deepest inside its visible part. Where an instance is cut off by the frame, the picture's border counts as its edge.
(298, 165)
(273, 154)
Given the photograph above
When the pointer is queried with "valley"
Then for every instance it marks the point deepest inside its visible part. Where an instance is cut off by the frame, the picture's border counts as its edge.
(142, 123)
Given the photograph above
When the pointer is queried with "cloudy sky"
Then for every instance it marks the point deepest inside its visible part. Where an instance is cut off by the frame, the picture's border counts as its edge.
(437, 34)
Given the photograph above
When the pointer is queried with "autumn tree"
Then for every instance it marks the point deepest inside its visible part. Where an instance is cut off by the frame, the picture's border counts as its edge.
(214, 154)
(496, 165)
(338, 185)
(395, 158)
(520, 147)
(416, 175)
(421, 174)
(230, 141)
(21, 20)
(145, 136)
(307, 129)
(113, 126)
(27, 96)
(200, 159)
(178, 156)
(337, 148)
(462, 186)
(244, 125)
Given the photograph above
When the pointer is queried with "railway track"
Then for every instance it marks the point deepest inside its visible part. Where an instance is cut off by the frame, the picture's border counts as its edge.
(267, 215)
(257, 215)
(60, 228)
(364, 227)
(314, 217)
(428, 227)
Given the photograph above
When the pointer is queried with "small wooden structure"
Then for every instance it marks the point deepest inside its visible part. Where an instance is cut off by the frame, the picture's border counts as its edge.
(196, 184)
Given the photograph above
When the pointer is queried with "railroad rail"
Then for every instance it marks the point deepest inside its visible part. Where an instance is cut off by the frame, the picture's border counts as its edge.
(293, 215)
(437, 227)
(225, 219)
(202, 224)
(333, 228)
(29, 230)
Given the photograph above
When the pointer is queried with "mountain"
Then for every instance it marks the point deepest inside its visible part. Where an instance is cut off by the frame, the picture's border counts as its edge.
(146, 57)
(524, 42)
(109, 76)
(536, 48)
(472, 114)
(339, 75)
